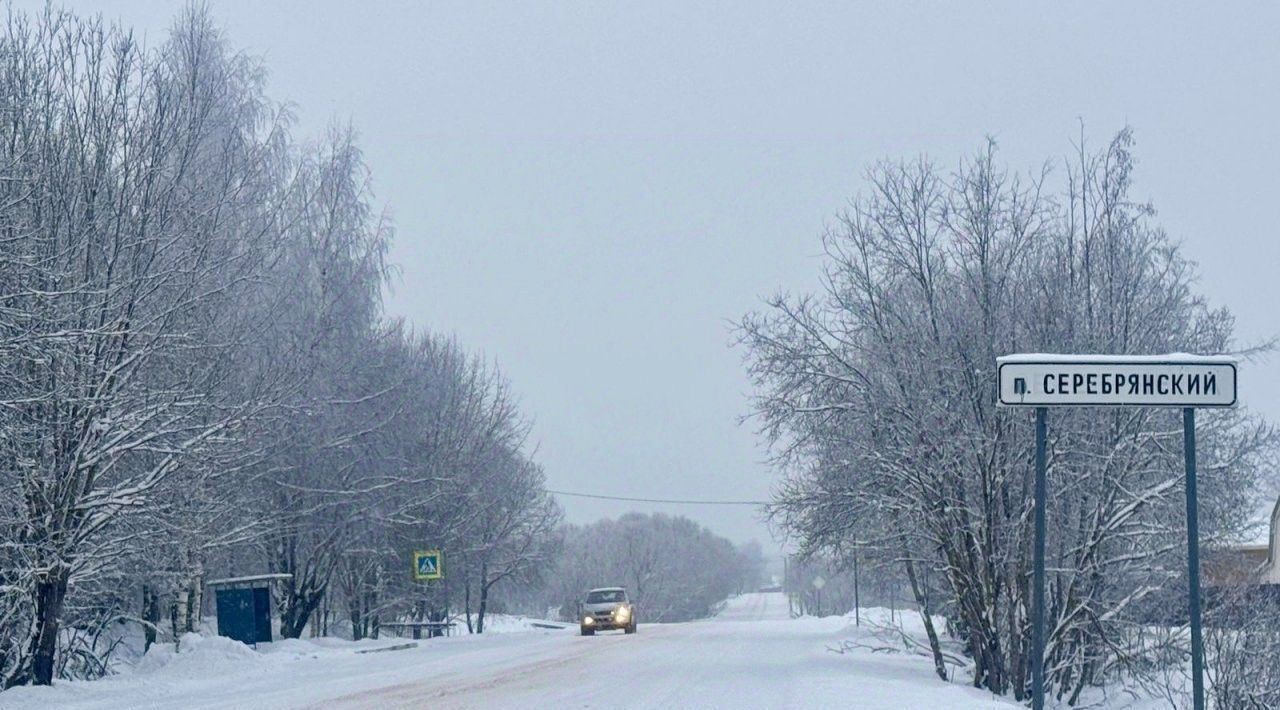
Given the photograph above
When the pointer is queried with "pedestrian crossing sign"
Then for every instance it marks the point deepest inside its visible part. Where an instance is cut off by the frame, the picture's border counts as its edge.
(426, 564)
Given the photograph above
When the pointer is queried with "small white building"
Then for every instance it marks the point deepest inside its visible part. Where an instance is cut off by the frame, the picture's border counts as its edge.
(1269, 571)
(1253, 563)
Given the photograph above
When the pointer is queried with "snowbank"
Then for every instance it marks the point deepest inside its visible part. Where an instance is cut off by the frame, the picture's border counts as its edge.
(508, 624)
(196, 655)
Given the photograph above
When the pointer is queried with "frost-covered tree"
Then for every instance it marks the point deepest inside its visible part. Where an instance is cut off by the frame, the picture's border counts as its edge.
(450, 474)
(321, 443)
(198, 377)
(510, 537)
(878, 395)
(135, 223)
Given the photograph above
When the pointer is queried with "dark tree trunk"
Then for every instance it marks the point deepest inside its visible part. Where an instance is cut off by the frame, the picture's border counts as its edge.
(151, 615)
(297, 612)
(49, 594)
(357, 622)
(320, 620)
(922, 600)
(466, 596)
(484, 598)
(173, 622)
(302, 596)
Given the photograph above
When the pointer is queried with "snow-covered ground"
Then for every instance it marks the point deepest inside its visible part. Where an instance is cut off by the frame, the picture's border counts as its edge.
(750, 656)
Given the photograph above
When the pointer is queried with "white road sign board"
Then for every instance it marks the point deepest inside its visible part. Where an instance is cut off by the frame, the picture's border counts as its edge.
(1116, 380)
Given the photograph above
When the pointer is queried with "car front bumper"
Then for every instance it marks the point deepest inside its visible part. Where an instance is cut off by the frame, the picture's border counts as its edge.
(605, 623)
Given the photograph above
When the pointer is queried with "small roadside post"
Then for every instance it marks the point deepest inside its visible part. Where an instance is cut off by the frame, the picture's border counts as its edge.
(818, 583)
(857, 602)
(428, 565)
(1183, 381)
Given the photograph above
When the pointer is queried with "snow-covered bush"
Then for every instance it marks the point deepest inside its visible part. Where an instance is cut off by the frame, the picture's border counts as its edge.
(1242, 647)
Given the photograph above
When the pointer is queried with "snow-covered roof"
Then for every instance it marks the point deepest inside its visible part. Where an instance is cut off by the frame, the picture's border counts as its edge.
(1166, 359)
(1260, 524)
(230, 581)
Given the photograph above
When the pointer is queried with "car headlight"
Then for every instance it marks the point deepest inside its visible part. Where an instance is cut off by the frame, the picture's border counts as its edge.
(588, 620)
(622, 613)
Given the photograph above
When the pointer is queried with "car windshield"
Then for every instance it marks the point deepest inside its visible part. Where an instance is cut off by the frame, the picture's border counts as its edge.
(605, 596)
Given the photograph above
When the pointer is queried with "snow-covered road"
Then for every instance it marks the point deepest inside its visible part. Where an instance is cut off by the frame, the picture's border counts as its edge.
(750, 656)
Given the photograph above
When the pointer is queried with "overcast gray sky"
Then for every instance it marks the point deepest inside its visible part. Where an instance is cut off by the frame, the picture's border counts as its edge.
(588, 193)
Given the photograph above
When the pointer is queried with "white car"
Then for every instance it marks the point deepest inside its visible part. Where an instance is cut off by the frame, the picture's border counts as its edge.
(607, 608)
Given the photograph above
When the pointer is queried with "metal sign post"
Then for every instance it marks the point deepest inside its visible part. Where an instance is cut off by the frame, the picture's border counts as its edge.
(857, 601)
(1037, 572)
(1183, 381)
(1193, 557)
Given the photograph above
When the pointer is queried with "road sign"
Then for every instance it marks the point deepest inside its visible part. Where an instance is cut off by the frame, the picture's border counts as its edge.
(819, 582)
(1185, 381)
(427, 564)
(1116, 380)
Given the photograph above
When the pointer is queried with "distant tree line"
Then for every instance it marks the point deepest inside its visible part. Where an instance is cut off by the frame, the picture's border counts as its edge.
(196, 375)
(878, 396)
(673, 568)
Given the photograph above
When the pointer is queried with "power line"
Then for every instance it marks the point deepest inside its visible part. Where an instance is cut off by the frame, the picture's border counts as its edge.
(659, 500)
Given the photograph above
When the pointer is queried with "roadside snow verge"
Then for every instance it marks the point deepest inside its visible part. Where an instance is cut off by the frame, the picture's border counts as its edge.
(196, 655)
